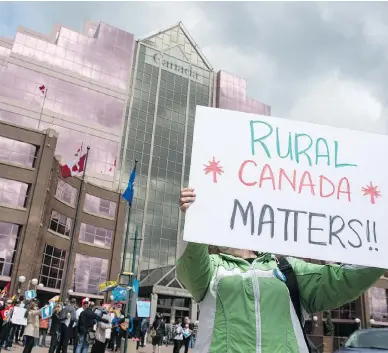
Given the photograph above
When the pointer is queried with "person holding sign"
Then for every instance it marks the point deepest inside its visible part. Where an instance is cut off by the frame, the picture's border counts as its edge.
(32, 329)
(249, 305)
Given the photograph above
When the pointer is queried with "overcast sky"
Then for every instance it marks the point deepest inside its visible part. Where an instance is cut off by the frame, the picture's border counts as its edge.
(312, 61)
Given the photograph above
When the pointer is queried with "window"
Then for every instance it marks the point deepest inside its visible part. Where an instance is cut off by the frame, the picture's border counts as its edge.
(100, 206)
(17, 152)
(347, 311)
(60, 223)
(95, 235)
(66, 193)
(13, 193)
(89, 273)
(378, 304)
(51, 271)
(9, 236)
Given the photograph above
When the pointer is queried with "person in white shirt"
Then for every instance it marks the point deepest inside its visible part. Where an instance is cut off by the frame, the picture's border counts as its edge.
(85, 304)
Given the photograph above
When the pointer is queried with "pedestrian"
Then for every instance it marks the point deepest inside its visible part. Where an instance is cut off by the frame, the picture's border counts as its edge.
(100, 339)
(249, 305)
(85, 328)
(158, 331)
(84, 305)
(31, 333)
(117, 332)
(187, 333)
(143, 331)
(67, 319)
(55, 328)
(43, 328)
(5, 315)
(177, 336)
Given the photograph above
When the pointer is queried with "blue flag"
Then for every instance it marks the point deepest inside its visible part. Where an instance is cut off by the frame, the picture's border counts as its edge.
(129, 191)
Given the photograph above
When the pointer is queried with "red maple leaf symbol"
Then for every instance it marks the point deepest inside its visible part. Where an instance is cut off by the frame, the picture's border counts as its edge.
(213, 167)
(372, 192)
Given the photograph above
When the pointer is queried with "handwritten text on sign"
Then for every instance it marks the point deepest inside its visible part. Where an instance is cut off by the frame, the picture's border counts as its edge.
(289, 187)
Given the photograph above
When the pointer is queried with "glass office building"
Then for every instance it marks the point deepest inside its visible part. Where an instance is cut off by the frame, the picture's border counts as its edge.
(170, 77)
(76, 83)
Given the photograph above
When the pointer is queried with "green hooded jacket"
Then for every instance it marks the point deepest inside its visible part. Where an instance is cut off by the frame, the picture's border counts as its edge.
(246, 307)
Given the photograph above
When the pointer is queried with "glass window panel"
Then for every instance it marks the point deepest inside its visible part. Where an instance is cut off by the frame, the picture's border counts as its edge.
(52, 268)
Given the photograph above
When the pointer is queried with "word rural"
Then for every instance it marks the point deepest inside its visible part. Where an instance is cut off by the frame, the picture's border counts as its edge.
(288, 187)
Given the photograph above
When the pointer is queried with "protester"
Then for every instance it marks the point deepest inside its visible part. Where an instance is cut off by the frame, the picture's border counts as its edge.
(157, 333)
(100, 341)
(43, 328)
(177, 336)
(143, 331)
(246, 290)
(55, 328)
(67, 320)
(31, 333)
(85, 327)
(5, 316)
(84, 305)
(117, 332)
(187, 333)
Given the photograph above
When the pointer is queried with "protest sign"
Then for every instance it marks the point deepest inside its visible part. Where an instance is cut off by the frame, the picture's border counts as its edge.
(288, 187)
(47, 311)
(18, 316)
(143, 308)
(30, 294)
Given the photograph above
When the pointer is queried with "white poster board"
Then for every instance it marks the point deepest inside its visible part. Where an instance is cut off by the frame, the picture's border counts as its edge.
(18, 316)
(289, 187)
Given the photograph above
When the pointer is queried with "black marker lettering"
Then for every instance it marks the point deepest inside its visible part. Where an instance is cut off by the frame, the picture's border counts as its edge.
(310, 229)
(244, 215)
(335, 233)
(271, 220)
(355, 232)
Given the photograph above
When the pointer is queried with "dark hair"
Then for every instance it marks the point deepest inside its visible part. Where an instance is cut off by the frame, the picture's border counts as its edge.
(214, 250)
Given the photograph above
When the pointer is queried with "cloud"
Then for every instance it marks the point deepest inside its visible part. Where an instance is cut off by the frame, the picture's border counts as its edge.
(315, 61)
(335, 100)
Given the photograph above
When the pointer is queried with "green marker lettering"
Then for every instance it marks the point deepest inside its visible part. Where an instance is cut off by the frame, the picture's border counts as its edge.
(260, 140)
(317, 152)
(289, 147)
(340, 165)
(299, 152)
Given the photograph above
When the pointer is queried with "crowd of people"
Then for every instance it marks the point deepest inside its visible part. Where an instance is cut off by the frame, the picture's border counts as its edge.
(87, 326)
(181, 334)
(82, 327)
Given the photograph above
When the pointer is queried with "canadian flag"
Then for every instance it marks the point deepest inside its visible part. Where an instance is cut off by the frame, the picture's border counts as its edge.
(74, 167)
(43, 89)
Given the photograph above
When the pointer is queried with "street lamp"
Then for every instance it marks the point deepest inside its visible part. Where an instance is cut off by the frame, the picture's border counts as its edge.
(70, 291)
(34, 282)
(315, 319)
(112, 298)
(372, 321)
(21, 280)
(40, 285)
(358, 322)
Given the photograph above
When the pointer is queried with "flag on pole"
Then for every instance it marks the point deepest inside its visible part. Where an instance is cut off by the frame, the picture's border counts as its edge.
(5, 290)
(74, 167)
(43, 89)
(79, 151)
(129, 191)
(114, 166)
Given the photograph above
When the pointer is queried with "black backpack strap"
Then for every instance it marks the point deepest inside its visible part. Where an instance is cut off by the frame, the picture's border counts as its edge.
(292, 285)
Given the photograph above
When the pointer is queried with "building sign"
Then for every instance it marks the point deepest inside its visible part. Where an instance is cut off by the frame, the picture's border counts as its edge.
(289, 187)
(186, 71)
(176, 292)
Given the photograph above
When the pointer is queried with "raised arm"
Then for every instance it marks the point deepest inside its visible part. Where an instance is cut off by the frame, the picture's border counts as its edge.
(195, 268)
(327, 287)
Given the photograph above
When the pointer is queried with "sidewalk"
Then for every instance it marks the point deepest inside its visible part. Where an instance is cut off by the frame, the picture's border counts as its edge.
(148, 349)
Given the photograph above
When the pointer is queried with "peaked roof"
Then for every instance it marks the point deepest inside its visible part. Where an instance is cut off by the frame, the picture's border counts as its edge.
(177, 42)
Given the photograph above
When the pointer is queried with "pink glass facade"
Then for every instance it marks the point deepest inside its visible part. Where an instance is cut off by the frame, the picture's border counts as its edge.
(232, 95)
(86, 82)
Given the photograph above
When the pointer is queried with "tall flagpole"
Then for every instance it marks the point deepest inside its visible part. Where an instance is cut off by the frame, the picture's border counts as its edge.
(41, 110)
(127, 231)
(73, 234)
